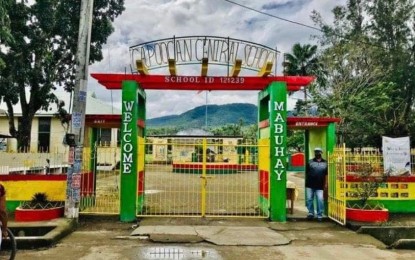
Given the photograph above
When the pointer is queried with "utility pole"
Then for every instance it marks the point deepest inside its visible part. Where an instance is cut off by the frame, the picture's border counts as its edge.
(206, 111)
(76, 137)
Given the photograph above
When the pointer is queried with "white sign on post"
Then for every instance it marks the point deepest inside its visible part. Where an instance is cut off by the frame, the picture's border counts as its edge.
(396, 155)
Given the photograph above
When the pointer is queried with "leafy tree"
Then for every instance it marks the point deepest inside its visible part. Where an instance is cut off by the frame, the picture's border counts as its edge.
(250, 132)
(369, 53)
(162, 131)
(42, 54)
(5, 35)
(295, 140)
(228, 130)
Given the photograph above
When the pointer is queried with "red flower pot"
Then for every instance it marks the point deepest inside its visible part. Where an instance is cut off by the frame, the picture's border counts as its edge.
(367, 215)
(26, 215)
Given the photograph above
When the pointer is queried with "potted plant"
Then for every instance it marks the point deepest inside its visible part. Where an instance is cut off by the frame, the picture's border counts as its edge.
(365, 184)
(39, 209)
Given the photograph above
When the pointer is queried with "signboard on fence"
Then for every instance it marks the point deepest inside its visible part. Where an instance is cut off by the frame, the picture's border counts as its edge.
(396, 155)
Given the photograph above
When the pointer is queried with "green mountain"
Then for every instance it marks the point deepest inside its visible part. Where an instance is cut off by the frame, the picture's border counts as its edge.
(217, 115)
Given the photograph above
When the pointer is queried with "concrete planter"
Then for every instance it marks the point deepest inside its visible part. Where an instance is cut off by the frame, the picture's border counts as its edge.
(26, 215)
(367, 215)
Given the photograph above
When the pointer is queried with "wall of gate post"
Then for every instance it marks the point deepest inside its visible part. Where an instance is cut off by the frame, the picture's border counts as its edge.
(129, 152)
(272, 114)
(141, 112)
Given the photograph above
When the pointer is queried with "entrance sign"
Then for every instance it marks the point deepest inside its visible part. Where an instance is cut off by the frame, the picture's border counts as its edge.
(396, 155)
(192, 49)
(204, 50)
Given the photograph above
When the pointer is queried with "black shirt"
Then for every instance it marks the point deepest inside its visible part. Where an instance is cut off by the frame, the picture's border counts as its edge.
(315, 174)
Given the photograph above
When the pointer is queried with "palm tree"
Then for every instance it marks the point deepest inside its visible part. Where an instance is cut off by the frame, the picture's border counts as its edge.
(303, 61)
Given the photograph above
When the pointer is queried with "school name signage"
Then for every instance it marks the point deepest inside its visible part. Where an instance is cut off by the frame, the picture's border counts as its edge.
(192, 49)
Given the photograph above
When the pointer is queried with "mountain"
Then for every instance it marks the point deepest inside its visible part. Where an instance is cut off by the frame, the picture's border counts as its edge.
(218, 115)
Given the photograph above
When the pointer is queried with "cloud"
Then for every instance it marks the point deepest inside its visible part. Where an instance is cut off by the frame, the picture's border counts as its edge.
(285, 6)
(148, 20)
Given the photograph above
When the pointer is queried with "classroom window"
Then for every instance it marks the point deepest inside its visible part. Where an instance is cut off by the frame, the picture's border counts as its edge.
(44, 134)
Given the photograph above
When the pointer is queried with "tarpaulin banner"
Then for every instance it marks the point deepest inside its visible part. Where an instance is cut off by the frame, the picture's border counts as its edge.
(396, 155)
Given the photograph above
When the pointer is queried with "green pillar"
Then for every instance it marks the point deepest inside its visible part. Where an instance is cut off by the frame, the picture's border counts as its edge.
(128, 170)
(331, 137)
(93, 153)
(278, 150)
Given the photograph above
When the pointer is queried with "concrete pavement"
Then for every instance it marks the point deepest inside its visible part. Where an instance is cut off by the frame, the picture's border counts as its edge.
(218, 235)
(223, 238)
(248, 232)
(214, 238)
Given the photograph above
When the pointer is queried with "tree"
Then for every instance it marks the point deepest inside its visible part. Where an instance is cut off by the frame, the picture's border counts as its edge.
(370, 182)
(228, 130)
(368, 56)
(162, 131)
(295, 140)
(5, 35)
(303, 61)
(250, 132)
(42, 54)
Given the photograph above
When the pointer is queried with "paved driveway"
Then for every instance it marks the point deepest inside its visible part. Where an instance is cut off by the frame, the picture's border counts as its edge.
(110, 239)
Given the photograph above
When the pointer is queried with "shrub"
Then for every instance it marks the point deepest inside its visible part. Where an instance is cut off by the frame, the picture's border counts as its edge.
(40, 201)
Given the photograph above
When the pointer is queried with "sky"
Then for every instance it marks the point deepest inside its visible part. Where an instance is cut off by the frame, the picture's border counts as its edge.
(147, 20)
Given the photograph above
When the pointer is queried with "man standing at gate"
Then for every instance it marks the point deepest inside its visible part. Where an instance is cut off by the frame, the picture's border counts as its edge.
(315, 183)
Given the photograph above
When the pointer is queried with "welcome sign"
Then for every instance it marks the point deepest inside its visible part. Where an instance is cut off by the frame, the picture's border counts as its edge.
(129, 131)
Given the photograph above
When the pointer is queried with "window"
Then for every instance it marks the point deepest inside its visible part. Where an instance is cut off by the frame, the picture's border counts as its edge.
(43, 134)
(104, 136)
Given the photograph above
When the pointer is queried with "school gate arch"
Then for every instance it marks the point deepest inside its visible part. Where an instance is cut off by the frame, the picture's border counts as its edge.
(272, 117)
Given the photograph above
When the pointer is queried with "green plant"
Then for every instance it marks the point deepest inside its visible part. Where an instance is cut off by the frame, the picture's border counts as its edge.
(40, 201)
(369, 183)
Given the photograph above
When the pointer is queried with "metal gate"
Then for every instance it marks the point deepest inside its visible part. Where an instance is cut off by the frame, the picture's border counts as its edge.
(100, 188)
(188, 176)
(337, 185)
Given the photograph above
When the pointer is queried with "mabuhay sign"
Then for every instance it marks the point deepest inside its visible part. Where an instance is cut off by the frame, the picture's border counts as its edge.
(192, 49)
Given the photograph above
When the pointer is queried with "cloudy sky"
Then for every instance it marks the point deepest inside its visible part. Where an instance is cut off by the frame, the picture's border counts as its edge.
(147, 20)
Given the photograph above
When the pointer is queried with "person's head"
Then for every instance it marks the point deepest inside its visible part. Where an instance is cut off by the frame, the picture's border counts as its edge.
(318, 152)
